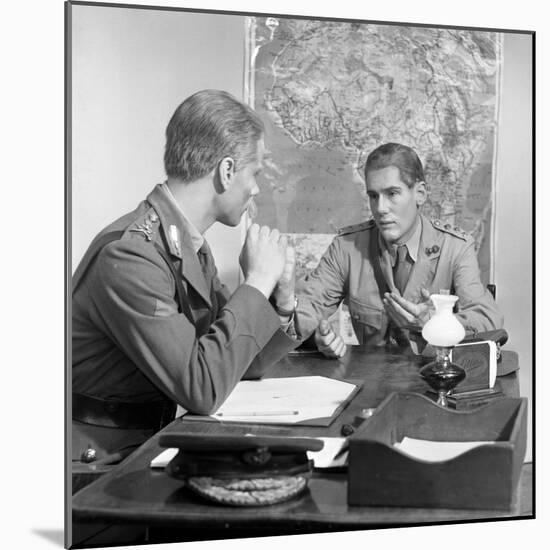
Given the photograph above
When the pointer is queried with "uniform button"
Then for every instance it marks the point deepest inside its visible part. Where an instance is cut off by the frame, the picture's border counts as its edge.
(346, 430)
(111, 407)
(367, 413)
(89, 455)
(447, 226)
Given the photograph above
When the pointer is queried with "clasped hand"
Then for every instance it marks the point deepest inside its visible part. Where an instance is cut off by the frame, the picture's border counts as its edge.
(268, 261)
(283, 293)
(406, 314)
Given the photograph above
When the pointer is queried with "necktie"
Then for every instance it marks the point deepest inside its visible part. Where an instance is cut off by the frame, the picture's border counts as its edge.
(205, 259)
(402, 268)
(208, 269)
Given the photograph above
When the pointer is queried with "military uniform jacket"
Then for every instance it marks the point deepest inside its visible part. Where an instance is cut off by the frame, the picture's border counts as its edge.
(129, 342)
(346, 272)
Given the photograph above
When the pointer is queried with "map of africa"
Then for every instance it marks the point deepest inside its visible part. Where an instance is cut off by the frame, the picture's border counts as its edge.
(331, 92)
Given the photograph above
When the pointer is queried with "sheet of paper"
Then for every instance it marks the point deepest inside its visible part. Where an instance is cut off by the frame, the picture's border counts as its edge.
(330, 456)
(161, 460)
(284, 400)
(436, 451)
(180, 411)
(334, 453)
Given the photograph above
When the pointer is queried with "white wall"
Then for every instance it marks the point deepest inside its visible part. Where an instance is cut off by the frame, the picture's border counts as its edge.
(514, 222)
(131, 68)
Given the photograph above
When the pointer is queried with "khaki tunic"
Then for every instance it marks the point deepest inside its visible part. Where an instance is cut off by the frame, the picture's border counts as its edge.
(129, 343)
(446, 261)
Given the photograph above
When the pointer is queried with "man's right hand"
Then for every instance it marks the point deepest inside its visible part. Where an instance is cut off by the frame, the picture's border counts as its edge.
(328, 342)
(263, 258)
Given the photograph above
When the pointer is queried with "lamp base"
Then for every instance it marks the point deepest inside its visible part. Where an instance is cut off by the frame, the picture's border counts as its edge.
(443, 376)
(462, 401)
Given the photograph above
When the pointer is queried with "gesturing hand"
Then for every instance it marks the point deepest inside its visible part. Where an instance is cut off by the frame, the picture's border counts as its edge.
(328, 342)
(263, 258)
(406, 314)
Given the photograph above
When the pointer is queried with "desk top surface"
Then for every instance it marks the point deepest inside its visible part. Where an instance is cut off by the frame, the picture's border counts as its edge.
(134, 492)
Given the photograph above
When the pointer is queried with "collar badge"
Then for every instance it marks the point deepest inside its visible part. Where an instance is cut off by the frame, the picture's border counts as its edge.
(432, 250)
(175, 238)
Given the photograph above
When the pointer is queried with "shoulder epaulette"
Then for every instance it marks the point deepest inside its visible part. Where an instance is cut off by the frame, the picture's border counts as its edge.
(146, 225)
(356, 227)
(448, 228)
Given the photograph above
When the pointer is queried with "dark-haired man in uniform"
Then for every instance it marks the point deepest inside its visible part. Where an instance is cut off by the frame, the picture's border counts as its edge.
(152, 326)
(386, 268)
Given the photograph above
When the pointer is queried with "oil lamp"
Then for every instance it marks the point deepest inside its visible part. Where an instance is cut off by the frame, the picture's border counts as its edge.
(443, 331)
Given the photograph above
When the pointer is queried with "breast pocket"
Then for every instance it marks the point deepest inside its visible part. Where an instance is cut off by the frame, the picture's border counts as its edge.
(367, 321)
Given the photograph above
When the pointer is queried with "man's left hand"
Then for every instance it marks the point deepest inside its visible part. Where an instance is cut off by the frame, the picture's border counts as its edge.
(406, 314)
(283, 294)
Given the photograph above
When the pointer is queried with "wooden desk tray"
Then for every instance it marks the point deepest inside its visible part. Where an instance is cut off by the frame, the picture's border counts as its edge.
(484, 477)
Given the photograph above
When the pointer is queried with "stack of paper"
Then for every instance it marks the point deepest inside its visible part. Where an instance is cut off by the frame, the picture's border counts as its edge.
(285, 400)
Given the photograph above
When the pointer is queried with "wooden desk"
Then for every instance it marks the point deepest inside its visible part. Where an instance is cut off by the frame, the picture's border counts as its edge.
(134, 493)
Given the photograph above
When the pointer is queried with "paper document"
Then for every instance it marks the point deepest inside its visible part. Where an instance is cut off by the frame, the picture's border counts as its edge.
(180, 411)
(334, 453)
(284, 400)
(436, 451)
(161, 460)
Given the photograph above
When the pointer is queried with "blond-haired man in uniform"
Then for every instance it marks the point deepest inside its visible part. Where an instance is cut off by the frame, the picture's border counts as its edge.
(386, 268)
(153, 327)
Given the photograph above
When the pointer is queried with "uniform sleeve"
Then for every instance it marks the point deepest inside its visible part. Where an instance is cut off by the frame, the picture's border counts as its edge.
(321, 292)
(128, 284)
(278, 346)
(477, 310)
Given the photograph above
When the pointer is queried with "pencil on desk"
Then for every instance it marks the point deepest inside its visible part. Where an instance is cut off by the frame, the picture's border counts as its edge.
(257, 413)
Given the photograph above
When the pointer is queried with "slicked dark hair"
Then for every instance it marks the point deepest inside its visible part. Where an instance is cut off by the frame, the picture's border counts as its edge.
(207, 127)
(402, 157)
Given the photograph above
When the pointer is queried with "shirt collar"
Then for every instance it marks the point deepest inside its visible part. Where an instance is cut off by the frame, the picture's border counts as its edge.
(197, 240)
(412, 244)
